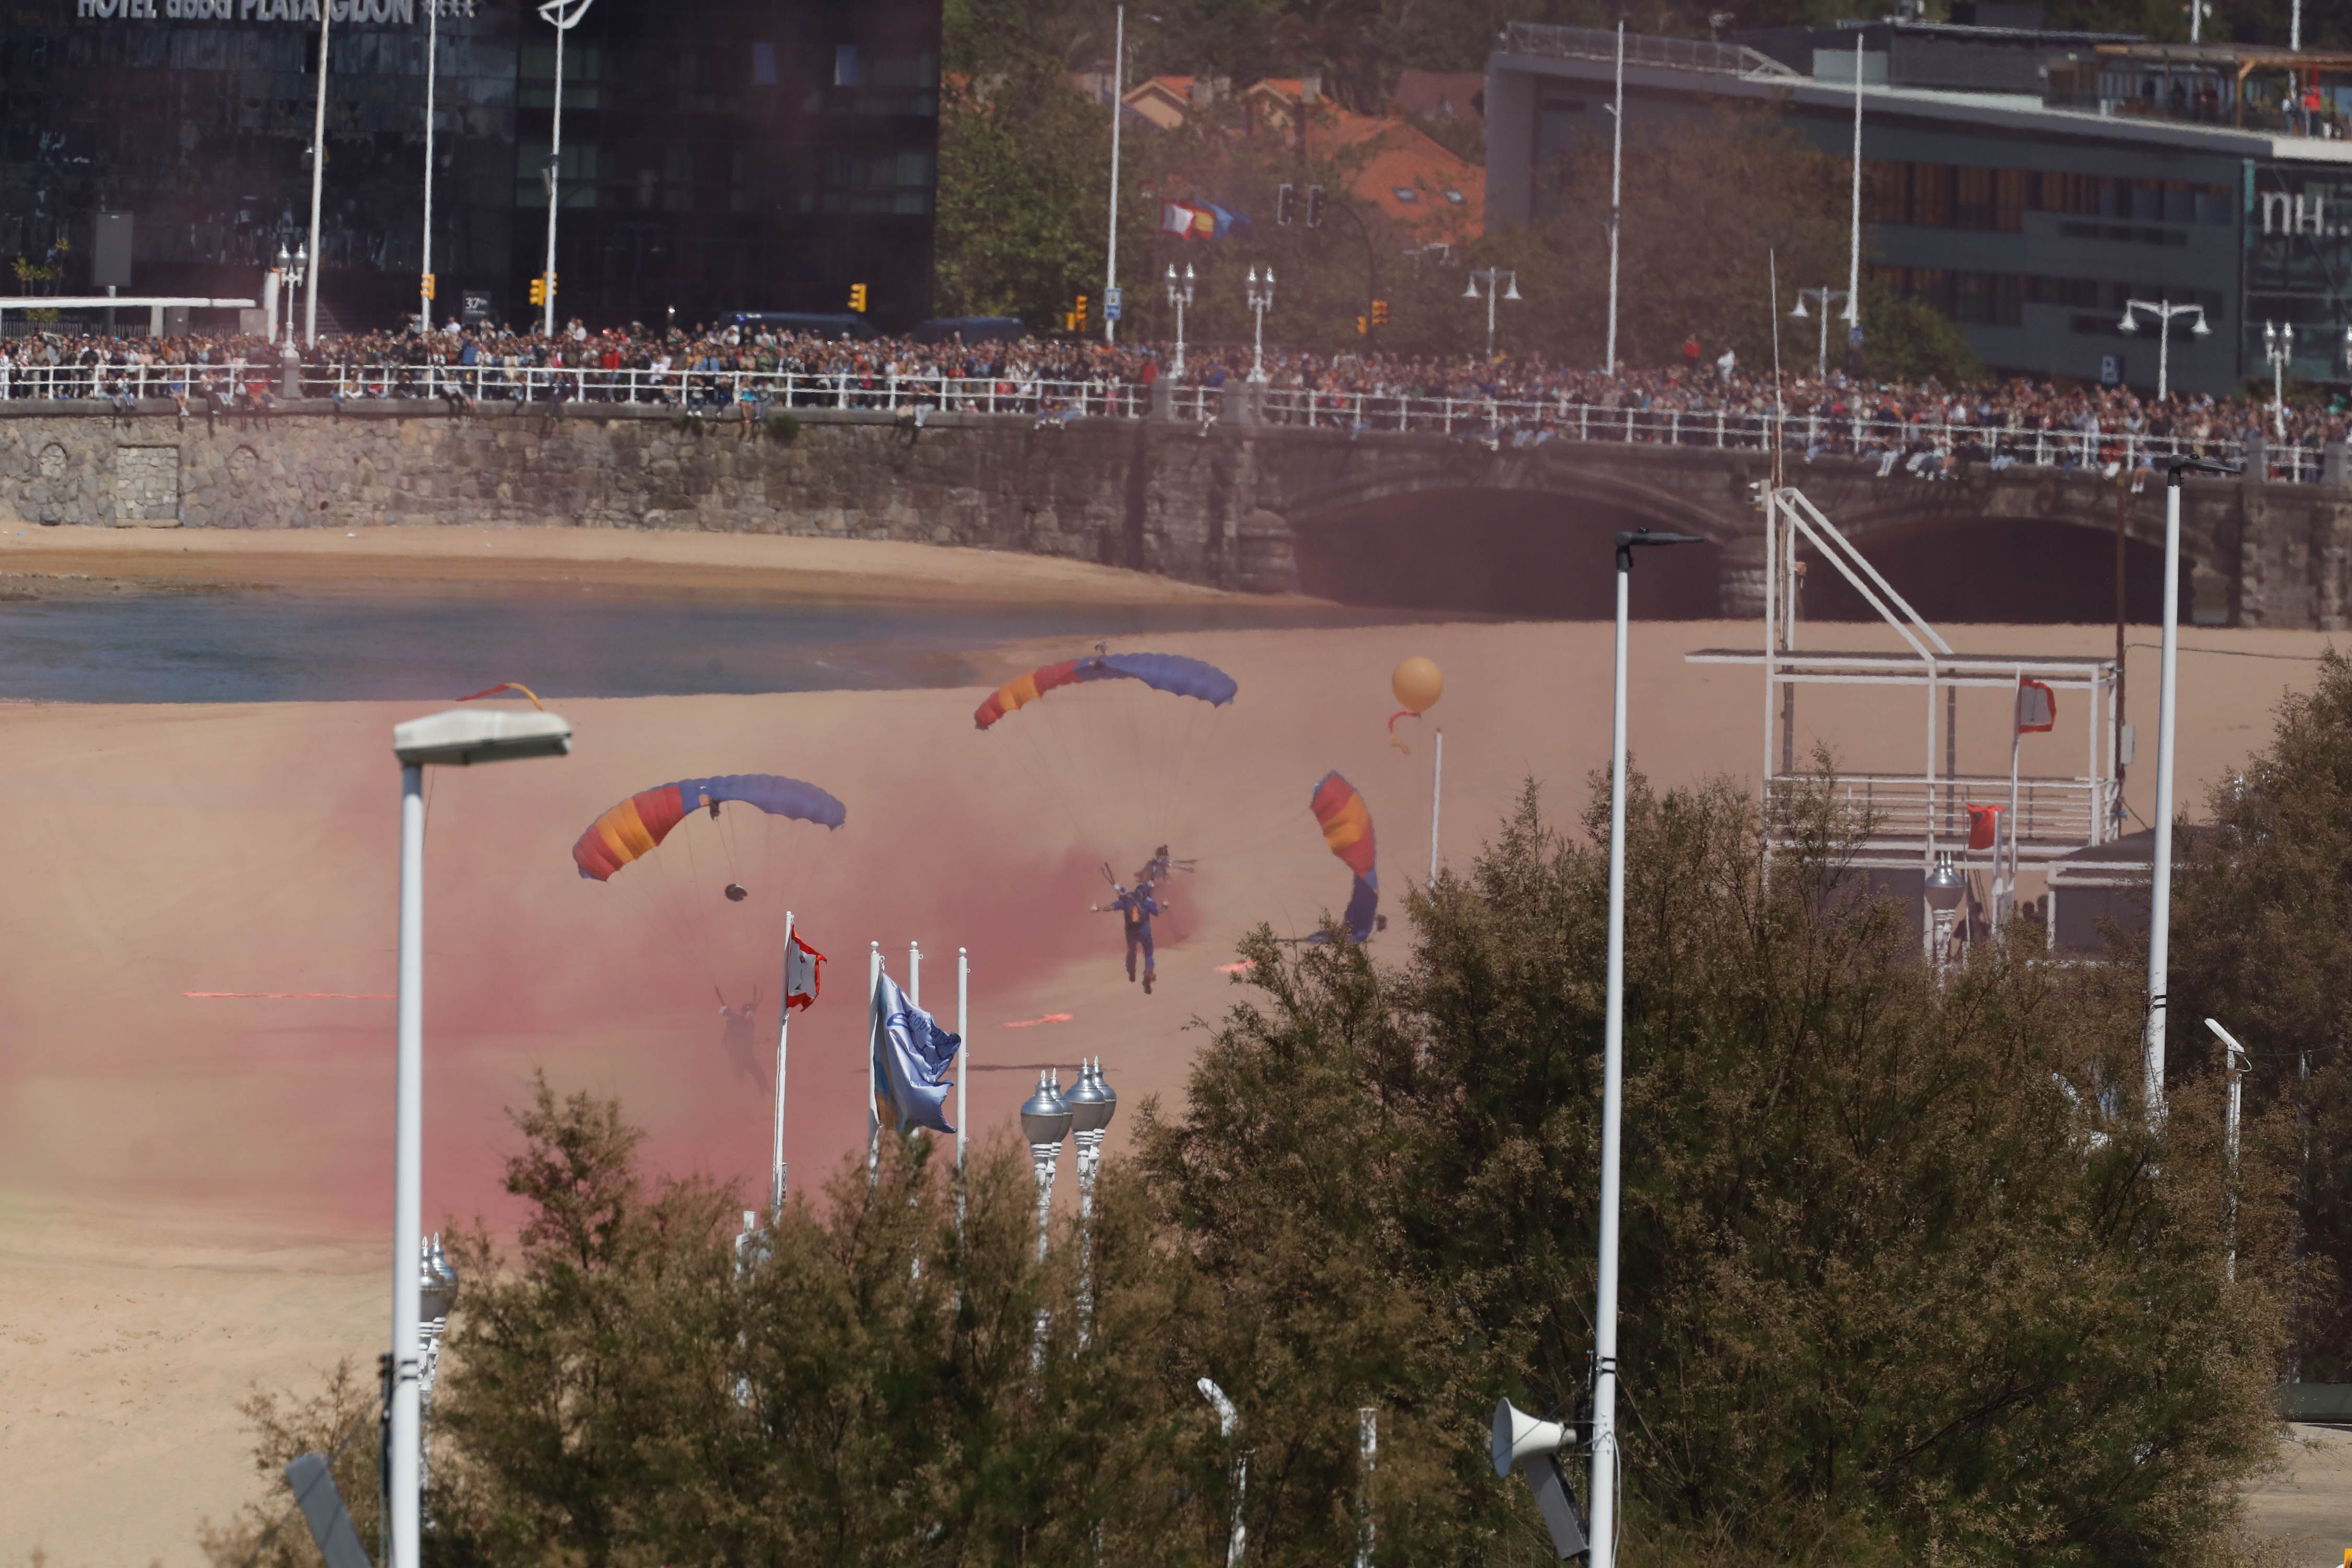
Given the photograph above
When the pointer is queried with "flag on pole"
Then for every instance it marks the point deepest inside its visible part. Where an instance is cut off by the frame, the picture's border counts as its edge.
(1176, 218)
(2037, 706)
(804, 973)
(1984, 826)
(911, 1058)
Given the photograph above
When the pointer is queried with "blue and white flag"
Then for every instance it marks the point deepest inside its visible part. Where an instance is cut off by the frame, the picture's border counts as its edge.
(911, 1058)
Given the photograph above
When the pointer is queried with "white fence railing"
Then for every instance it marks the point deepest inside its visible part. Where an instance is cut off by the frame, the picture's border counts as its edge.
(2052, 813)
(1921, 448)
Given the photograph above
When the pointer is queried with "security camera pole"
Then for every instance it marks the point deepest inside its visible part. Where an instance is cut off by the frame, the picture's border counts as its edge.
(458, 738)
(1612, 1090)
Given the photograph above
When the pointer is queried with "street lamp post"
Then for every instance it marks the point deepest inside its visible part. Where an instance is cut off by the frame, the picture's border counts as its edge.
(1616, 209)
(1180, 295)
(291, 269)
(2239, 1063)
(432, 62)
(1046, 1119)
(1092, 1103)
(562, 15)
(2278, 347)
(1117, 103)
(1229, 1428)
(318, 176)
(2163, 310)
(1824, 298)
(1612, 1088)
(1261, 300)
(458, 738)
(2159, 899)
(1507, 280)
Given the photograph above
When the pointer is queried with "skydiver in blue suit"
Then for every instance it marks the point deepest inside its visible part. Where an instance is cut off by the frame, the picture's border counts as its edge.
(1136, 909)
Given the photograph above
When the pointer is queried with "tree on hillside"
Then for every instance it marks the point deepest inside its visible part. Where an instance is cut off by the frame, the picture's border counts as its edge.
(2262, 941)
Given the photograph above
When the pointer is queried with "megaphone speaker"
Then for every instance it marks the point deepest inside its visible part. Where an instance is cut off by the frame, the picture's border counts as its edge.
(1518, 1435)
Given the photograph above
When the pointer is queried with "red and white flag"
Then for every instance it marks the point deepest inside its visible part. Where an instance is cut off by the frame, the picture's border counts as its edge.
(2037, 706)
(804, 973)
(1984, 826)
(1176, 218)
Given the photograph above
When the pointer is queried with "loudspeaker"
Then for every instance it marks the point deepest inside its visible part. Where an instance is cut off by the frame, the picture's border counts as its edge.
(1518, 1435)
(1560, 1514)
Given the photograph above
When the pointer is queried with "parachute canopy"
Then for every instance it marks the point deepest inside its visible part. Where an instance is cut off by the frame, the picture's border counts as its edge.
(1347, 824)
(633, 828)
(1169, 672)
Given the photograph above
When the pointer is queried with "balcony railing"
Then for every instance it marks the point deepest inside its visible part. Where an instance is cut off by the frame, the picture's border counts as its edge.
(2053, 814)
(1916, 448)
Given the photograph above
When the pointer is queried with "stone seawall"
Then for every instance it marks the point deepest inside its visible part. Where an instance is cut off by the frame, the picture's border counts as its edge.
(1152, 496)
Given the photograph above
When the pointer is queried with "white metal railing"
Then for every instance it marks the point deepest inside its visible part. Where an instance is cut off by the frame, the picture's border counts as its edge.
(2052, 813)
(1919, 449)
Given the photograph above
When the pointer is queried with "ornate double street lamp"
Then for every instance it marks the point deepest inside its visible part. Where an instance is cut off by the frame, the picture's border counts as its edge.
(291, 269)
(1261, 300)
(1180, 295)
(1823, 298)
(1045, 1118)
(2278, 347)
(1092, 1103)
(1510, 285)
(1944, 891)
(2163, 310)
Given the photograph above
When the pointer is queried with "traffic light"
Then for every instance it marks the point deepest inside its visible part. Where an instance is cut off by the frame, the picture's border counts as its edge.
(857, 298)
(1078, 315)
(1285, 196)
(1315, 206)
(428, 285)
(539, 290)
(1379, 313)
(1360, 326)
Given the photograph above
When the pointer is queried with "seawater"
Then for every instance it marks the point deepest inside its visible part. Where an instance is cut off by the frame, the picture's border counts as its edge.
(262, 644)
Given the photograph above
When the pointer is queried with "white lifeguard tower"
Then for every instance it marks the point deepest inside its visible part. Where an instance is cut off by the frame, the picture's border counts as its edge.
(1915, 816)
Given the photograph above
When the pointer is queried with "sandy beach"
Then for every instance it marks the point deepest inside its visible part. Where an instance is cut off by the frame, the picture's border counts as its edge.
(194, 1185)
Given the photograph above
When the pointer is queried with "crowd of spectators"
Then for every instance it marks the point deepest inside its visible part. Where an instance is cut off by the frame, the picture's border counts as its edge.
(735, 370)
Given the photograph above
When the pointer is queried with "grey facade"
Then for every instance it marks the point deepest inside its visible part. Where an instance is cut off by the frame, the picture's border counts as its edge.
(2029, 226)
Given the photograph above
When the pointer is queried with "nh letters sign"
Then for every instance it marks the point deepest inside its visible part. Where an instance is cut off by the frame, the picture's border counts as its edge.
(379, 13)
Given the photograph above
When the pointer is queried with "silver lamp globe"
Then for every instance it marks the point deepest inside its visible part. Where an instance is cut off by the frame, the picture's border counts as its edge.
(1046, 1115)
(1945, 885)
(1091, 1102)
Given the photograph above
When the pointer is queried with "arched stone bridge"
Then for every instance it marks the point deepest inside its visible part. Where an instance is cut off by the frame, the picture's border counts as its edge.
(1408, 519)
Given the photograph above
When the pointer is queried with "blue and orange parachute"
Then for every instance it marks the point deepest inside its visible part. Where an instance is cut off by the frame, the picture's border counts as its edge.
(633, 829)
(1169, 672)
(1347, 824)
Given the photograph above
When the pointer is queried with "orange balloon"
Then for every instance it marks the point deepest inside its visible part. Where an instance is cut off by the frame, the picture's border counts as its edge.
(1417, 683)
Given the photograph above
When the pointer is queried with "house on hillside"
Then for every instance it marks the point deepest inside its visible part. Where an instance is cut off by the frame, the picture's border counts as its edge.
(1424, 191)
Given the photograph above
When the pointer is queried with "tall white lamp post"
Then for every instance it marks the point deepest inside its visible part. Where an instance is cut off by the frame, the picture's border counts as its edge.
(458, 738)
(1502, 277)
(2164, 311)
(2239, 1063)
(1261, 300)
(1229, 1427)
(432, 64)
(318, 176)
(1823, 298)
(1616, 209)
(1854, 221)
(1180, 297)
(2160, 893)
(1117, 104)
(1612, 1088)
(2278, 347)
(562, 15)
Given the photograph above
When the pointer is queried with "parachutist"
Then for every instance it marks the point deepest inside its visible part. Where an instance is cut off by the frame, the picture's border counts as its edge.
(736, 892)
(1136, 910)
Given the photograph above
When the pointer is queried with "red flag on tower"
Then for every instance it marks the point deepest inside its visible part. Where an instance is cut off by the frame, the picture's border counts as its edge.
(1984, 826)
(2037, 706)
(804, 973)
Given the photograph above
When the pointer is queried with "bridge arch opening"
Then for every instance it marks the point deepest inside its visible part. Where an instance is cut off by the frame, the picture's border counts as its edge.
(1500, 553)
(2014, 571)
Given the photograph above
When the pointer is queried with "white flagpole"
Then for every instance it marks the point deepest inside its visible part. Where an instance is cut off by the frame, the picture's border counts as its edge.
(873, 1026)
(963, 1051)
(784, 1035)
(915, 972)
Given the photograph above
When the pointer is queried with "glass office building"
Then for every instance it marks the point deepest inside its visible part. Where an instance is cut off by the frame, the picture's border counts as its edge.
(2027, 183)
(717, 155)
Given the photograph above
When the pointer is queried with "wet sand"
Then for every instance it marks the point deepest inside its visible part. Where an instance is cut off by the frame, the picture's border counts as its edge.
(193, 1188)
